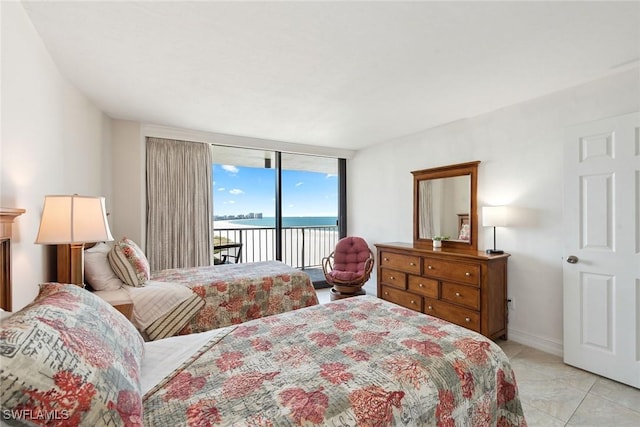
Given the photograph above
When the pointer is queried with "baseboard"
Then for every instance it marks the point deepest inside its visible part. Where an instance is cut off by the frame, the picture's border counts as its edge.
(543, 344)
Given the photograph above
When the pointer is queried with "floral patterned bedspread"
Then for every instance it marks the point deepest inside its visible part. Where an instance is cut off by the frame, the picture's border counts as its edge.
(359, 361)
(236, 293)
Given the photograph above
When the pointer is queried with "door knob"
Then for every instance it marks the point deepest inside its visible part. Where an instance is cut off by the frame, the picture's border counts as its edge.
(572, 259)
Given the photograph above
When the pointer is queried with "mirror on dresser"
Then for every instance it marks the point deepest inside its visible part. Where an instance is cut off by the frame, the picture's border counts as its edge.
(455, 283)
(445, 204)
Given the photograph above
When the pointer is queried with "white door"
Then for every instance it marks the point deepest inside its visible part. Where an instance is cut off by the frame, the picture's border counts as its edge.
(602, 248)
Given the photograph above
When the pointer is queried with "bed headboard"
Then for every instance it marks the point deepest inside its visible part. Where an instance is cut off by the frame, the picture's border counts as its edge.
(7, 215)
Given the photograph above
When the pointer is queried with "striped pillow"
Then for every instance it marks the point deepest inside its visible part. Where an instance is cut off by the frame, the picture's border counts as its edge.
(129, 263)
(171, 323)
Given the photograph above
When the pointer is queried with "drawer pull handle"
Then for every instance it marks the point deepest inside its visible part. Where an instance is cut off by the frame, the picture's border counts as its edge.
(457, 294)
(430, 307)
(466, 319)
(430, 267)
(386, 293)
(386, 259)
(412, 264)
(467, 274)
(421, 285)
(413, 302)
(392, 278)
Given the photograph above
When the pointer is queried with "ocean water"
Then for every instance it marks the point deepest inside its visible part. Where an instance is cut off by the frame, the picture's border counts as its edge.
(288, 221)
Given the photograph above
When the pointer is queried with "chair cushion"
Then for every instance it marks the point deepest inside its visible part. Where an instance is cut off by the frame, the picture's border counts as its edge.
(345, 276)
(350, 256)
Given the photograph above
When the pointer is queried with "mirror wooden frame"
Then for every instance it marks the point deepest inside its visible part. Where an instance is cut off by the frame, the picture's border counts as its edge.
(461, 169)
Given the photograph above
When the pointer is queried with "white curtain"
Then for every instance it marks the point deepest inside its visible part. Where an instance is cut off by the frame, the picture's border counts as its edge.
(179, 204)
(425, 207)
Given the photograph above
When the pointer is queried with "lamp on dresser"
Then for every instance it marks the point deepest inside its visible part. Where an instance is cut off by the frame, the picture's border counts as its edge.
(494, 216)
(70, 222)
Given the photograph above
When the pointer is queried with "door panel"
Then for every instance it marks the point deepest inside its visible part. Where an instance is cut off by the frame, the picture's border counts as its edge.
(596, 291)
(601, 274)
(596, 212)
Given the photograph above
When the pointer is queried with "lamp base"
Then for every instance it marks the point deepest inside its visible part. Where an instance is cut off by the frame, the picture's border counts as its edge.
(495, 251)
(71, 264)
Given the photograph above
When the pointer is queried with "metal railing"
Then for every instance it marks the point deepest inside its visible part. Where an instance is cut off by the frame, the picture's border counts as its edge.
(302, 247)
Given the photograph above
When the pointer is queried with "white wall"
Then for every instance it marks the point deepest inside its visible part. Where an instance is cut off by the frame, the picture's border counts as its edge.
(520, 149)
(54, 141)
(129, 180)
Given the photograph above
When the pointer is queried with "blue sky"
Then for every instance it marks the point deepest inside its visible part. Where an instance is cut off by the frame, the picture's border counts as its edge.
(241, 190)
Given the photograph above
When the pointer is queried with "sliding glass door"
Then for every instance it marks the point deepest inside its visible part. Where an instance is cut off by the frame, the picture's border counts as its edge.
(275, 205)
(310, 195)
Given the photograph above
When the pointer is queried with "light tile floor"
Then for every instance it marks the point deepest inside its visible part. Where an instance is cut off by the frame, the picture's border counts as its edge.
(554, 394)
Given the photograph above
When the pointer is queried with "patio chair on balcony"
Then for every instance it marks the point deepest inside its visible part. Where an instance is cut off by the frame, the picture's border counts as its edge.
(348, 267)
(227, 253)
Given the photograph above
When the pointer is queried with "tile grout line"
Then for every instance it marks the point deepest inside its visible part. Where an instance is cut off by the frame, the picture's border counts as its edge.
(581, 401)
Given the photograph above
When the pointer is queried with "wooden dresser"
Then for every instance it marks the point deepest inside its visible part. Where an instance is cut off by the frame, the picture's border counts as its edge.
(468, 288)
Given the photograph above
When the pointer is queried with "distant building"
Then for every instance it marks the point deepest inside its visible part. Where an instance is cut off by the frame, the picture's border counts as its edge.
(250, 215)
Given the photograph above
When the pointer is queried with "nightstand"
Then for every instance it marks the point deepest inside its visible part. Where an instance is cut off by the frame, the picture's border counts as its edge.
(126, 309)
(119, 299)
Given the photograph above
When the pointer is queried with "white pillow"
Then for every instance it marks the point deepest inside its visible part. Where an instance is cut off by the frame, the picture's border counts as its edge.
(97, 270)
(4, 314)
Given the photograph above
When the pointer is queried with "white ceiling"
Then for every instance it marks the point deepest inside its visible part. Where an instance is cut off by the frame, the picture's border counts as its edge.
(334, 74)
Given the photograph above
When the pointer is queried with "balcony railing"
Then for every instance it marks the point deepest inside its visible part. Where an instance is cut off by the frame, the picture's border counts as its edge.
(302, 247)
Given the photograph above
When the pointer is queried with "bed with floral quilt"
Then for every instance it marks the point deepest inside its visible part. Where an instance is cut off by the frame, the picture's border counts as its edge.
(71, 359)
(236, 293)
(187, 300)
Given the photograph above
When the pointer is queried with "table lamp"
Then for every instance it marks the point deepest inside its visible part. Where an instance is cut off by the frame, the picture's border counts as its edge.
(494, 216)
(70, 222)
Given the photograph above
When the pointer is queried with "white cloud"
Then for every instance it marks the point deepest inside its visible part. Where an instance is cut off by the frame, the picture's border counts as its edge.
(221, 189)
(230, 168)
(299, 184)
(236, 191)
(331, 175)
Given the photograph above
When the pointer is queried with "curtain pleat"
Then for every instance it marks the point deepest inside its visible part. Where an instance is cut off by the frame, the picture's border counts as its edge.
(179, 204)
(426, 210)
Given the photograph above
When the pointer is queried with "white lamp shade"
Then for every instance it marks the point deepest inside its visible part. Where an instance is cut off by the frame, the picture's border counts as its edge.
(73, 219)
(494, 216)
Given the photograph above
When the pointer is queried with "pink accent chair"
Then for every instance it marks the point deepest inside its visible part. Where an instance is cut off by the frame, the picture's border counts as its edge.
(349, 266)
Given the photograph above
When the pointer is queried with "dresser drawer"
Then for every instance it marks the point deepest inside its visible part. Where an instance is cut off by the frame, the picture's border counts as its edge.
(407, 263)
(394, 278)
(452, 270)
(405, 299)
(468, 296)
(452, 313)
(423, 286)
(459, 285)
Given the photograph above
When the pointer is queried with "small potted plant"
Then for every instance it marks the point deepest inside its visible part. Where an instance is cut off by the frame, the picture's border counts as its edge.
(437, 241)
